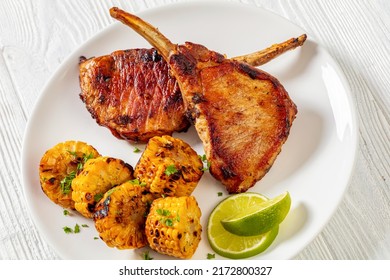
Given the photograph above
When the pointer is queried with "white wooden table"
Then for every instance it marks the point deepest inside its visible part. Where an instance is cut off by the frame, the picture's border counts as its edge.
(36, 36)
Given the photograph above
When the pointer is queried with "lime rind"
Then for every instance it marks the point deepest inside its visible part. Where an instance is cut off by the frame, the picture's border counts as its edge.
(239, 247)
(259, 218)
(230, 245)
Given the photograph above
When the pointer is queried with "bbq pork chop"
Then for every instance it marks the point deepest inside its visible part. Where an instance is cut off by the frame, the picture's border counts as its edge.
(132, 93)
(242, 115)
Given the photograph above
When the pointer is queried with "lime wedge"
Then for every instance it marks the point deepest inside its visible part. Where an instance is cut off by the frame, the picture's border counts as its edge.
(230, 245)
(258, 218)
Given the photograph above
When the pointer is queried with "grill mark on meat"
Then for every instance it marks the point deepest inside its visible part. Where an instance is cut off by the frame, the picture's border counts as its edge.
(227, 173)
(124, 120)
(132, 93)
(156, 57)
(184, 65)
(198, 98)
(248, 70)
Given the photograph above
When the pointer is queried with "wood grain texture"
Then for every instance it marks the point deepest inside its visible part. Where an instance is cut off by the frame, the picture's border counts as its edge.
(36, 36)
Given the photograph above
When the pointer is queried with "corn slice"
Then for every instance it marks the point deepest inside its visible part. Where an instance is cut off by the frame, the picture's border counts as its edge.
(98, 176)
(121, 214)
(173, 226)
(59, 166)
(169, 167)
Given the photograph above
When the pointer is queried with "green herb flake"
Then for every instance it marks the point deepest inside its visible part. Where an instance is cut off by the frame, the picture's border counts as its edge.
(168, 222)
(67, 230)
(97, 197)
(137, 182)
(96, 238)
(85, 225)
(146, 256)
(66, 212)
(210, 256)
(208, 164)
(82, 161)
(76, 228)
(87, 157)
(66, 183)
(170, 170)
(203, 158)
(163, 212)
(136, 150)
(220, 193)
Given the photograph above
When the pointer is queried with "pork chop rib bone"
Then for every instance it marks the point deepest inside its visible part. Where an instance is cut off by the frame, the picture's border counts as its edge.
(242, 115)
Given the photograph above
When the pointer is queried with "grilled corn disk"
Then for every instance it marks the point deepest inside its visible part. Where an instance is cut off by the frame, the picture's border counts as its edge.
(59, 165)
(121, 214)
(98, 176)
(173, 226)
(169, 167)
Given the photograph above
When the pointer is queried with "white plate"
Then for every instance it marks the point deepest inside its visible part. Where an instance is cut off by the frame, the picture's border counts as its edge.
(314, 166)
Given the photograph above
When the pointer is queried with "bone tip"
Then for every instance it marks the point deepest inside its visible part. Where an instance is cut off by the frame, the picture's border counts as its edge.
(302, 38)
(114, 11)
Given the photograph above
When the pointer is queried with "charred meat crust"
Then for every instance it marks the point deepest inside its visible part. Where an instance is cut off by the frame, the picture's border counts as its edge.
(245, 132)
(132, 93)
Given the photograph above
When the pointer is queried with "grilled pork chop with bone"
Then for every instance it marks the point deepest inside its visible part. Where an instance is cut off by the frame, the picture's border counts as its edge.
(132, 93)
(242, 115)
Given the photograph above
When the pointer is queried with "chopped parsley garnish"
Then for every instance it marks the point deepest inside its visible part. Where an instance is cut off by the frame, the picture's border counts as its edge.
(167, 220)
(97, 197)
(137, 182)
(163, 212)
(96, 238)
(85, 225)
(146, 256)
(76, 229)
(203, 158)
(83, 160)
(205, 161)
(210, 256)
(170, 170)
(66, 212)
(220, 193)
(66, 183)
(67, 230)
(136, 150)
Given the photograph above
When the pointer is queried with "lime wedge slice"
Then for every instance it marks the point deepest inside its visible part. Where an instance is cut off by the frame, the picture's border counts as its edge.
(258, 218)
(230, 245)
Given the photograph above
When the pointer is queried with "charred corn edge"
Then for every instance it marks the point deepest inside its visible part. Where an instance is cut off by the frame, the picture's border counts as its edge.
(174, 239)
(62, 155)
(92, 172)
(152, 168)
(114, 233)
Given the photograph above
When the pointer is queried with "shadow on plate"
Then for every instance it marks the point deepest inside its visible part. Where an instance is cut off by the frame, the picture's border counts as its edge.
(304, 140)
(298, 66)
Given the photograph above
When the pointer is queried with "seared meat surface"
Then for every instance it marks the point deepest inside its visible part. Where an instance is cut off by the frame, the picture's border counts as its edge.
(132, 93)
(242, 114)
(152, 104)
